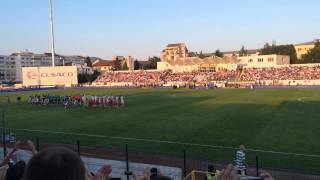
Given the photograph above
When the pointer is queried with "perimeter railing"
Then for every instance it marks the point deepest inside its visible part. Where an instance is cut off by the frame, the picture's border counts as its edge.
(186, 156)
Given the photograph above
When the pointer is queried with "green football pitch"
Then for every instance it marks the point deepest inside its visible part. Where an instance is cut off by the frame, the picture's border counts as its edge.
(282, 120)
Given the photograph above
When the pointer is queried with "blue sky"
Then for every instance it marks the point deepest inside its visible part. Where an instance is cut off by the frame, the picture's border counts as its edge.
(142, 28)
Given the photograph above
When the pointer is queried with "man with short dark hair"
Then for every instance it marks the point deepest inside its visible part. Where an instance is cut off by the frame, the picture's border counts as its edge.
(55, 164)
(61, 164)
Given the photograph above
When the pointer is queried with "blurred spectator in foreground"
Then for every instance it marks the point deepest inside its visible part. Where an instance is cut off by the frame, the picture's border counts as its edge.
(266, 176)
(11, 170)
(151, 174)
(61, 164)
(228, 174)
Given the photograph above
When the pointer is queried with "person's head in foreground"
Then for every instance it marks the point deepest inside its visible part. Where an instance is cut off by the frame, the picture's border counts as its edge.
(154, 172)
(55, 164)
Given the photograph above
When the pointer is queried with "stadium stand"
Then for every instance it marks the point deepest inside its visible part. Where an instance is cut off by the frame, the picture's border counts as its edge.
(155, 78)
(253, 75)
(283, 73)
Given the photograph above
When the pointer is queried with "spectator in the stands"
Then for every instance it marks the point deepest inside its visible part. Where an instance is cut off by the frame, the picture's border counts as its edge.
(240, 160)
(159, 78)
(61, 164)
(281, 73)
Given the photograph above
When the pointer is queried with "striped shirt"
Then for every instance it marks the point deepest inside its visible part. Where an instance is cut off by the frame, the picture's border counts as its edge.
(240, 161)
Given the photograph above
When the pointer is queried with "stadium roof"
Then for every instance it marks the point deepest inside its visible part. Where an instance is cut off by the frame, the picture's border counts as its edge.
(175, 45)
(308, 43)
(205, 61)
(144, 62)
(23, 53)
(103, 63)
(249, 51)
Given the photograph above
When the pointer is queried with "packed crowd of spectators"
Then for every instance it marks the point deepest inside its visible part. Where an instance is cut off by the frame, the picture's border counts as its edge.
(225, 75)
(137, 78)
(156, 78)
(202, 77)
(159, 78)
(283, 73)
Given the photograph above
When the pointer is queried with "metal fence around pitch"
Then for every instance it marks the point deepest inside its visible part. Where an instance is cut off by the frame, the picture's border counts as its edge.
(186, 156)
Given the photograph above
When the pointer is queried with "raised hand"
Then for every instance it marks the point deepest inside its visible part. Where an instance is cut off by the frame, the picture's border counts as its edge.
(17, 145)
(228, 174)
(31, 147)
(266, 176)
(103, 172)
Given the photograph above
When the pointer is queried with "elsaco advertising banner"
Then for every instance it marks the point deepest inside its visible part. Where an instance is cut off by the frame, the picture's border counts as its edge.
(49, 76)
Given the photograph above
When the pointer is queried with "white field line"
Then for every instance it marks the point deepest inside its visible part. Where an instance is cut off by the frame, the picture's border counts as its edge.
(162, 141)
(304, 100)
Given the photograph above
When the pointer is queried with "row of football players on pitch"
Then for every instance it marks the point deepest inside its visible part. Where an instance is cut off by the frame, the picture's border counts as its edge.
(78, 100)
(95, 101)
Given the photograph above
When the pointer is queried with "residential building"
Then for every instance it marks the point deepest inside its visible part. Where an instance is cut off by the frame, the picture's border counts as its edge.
(229, 62)
(303, 48)
(250, 52)
(189, 64)
(81, 68)
(103, 65)
(29, 59)
(128, 60)
(261, 61)
(175, 57)
(11, 66)
(144, 64)
(7, 68)
(73, 59)
(174, 52)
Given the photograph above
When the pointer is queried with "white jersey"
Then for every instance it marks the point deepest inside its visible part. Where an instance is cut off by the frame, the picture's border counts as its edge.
(100, 100)
(96, 100)
(122, 101)
(84, 99)
(104, 100)
(117, 100)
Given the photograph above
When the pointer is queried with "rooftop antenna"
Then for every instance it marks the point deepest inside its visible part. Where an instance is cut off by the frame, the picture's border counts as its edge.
(52, 34)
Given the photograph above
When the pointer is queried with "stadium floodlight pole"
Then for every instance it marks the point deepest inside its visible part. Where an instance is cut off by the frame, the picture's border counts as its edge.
(52, 34)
